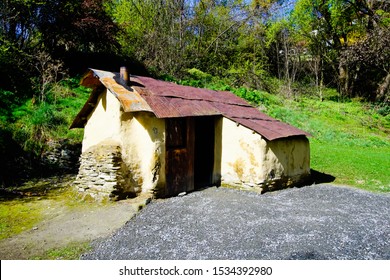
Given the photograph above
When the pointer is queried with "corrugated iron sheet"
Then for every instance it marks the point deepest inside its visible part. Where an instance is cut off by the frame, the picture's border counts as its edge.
(169, 100)
(130, 100)
(170, 107)
(168, 89)
(270, 130)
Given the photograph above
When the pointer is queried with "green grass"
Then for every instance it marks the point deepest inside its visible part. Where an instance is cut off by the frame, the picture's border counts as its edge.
(33, 123)
(364, 167)
(71, 252)
(16, 217)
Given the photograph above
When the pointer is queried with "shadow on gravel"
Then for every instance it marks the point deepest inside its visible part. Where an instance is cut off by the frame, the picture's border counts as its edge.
(309, 255)
(320, 178)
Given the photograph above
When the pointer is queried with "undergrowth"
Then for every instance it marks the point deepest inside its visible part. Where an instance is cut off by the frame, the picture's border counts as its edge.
(33, 123)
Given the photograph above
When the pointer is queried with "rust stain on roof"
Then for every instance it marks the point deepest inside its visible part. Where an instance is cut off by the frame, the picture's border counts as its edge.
(169, 100)
(130, 100)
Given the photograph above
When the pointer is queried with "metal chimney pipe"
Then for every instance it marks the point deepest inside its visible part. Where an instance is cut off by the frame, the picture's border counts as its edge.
(124, 75)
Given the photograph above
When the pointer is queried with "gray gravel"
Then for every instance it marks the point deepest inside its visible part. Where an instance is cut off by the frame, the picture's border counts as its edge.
(314, 222)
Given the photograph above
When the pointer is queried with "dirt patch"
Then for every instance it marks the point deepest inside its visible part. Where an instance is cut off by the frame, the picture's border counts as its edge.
(63, 225)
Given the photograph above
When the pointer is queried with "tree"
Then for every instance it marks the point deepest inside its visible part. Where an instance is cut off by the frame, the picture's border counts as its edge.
(369, 64)
(338, 24)
(221, 37)
(61, 29)
(76, 26)
(153, 32)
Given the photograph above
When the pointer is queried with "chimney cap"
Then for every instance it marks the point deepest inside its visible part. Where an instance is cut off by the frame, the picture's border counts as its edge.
(124, 75)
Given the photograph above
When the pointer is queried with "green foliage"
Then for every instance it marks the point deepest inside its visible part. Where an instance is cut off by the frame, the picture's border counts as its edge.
(34, 123)
(382, 109)
(199, 75)
(6, 103)
(256, 97)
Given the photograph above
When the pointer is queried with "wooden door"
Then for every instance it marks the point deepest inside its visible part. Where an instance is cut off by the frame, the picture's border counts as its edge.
(179, 156)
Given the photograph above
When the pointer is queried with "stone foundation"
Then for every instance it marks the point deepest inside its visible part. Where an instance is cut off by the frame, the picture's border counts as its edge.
(102, 173)
(272, 184)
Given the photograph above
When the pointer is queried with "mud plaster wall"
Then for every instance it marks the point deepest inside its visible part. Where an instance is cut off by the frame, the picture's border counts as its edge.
(104, 121)
(247, 158)
(143, 149)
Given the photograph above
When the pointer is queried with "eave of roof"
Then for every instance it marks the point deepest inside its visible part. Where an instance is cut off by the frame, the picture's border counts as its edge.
(169, 100)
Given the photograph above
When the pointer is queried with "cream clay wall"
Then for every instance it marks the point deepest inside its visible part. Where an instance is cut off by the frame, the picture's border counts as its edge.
(143, 149)
(104, 122)
(249, 158)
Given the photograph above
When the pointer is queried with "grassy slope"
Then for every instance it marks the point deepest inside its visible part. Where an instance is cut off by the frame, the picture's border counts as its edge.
(34, 123)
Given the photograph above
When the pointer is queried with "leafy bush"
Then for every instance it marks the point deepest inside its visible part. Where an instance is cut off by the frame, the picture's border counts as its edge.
(33, 123)
(7, 101)
(199, 75)
(257, 97)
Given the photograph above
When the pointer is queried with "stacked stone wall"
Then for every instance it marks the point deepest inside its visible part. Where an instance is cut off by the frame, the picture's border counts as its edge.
(102, 173)
(61, 156)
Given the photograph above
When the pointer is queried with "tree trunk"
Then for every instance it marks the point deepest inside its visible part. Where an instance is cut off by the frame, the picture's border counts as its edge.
(382, 93)
(343, 79)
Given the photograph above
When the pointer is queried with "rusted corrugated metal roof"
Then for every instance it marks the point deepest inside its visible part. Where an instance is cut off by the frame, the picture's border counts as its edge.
(169, 100)
(130, 100)
(161, 88)
(172, 100)
(171, 107)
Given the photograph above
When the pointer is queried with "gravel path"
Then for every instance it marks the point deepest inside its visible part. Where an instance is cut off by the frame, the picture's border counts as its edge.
(315, 222)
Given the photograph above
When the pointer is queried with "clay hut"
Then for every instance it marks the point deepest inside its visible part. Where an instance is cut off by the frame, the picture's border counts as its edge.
(143, 135)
